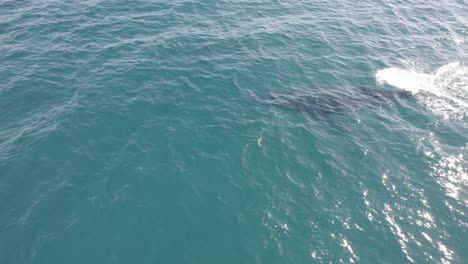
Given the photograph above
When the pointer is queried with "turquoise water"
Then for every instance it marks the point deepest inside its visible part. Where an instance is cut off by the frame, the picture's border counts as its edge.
(142, 132)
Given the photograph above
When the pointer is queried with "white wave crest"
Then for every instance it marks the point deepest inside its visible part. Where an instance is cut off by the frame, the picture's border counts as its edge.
(445, 92)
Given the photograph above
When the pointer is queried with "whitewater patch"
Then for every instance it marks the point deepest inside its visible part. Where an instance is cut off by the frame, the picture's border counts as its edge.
(444, 92)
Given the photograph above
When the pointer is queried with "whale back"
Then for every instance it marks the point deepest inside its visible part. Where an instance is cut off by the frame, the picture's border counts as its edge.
(323, 103)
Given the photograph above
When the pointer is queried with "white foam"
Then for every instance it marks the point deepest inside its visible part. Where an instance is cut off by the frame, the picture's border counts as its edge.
(457, 40)
(405, 79)
(445, 92)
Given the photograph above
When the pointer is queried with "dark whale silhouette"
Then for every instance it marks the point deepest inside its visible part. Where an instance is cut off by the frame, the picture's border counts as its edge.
(320, 104)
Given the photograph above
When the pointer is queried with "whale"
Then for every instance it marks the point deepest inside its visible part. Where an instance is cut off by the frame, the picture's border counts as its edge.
(326, 102)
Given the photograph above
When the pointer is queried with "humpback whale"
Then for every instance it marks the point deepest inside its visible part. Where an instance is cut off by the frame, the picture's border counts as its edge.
(323, 103)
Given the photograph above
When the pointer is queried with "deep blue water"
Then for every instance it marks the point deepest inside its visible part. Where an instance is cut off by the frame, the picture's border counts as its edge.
(233, 131)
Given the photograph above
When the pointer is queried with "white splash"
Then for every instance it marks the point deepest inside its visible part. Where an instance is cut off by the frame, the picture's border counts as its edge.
(445, 92)
(405, 79)
(457, 39)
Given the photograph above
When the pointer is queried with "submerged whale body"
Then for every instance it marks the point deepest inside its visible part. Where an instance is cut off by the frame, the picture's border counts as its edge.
(320, 104)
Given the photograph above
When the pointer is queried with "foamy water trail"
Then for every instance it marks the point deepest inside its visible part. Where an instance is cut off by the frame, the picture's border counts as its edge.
(445, 92)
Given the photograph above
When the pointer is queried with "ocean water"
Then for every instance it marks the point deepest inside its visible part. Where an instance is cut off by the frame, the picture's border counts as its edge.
(144, 131)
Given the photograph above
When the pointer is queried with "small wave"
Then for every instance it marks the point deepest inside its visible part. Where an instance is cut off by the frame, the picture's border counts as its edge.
(452, 173)
(445, 92)
(34, 127)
